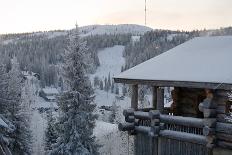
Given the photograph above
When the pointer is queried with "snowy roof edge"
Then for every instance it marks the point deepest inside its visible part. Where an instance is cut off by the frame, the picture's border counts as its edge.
(165, 83)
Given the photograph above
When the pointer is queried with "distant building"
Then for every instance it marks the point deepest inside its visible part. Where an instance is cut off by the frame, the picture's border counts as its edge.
(49, 94)
(27, 74)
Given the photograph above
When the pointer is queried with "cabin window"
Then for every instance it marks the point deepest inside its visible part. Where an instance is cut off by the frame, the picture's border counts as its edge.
(186, 102)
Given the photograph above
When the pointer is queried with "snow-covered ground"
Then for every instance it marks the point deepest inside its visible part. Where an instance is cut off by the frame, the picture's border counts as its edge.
(112, 140)
(104, 98)
(38, 127)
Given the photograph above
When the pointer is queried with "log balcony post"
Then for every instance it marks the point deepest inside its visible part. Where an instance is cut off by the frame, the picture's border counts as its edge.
(154, 97)
(160, 100)
(134, 97)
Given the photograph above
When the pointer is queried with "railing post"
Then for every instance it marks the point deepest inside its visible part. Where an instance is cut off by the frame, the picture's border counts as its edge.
(134, 97)
(154, 97)
(155, 125)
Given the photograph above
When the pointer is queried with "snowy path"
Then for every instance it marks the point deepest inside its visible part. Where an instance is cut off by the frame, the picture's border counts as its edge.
(38, 126)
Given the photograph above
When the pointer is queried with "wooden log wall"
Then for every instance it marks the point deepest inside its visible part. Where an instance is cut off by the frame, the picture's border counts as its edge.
(223, 127)
(221, 99)
(208, 107)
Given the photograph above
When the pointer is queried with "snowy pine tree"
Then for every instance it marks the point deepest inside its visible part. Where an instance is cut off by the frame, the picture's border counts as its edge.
(109, 81)
(116, 89)
(21, 136)
(101, 85)
(76, 120)
(112, 87)
(4, 102)
(106, 88)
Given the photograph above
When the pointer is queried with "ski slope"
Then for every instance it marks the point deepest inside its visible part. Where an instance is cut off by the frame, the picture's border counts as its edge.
(107, 134)
(111, 60)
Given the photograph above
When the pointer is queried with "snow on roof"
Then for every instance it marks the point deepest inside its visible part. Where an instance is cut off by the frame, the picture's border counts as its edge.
(49, 90)
(202, 59)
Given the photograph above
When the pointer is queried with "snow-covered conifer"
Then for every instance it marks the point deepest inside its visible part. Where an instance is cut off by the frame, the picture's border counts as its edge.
(101, 85)
(116, 89)
(76, 120)
(21, 136)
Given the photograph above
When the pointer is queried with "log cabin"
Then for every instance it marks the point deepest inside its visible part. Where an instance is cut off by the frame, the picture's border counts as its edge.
(198, 122)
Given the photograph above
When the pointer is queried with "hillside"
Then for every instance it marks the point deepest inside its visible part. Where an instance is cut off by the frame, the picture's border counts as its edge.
(84, 31)
(114, 29)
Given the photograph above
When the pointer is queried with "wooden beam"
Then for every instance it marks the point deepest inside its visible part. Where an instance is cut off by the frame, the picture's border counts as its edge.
(154, 97)
(224, 128)
(128, 112)
(163, 83)
(126, 126)
(224, 137)
(142, 115)
(224, 144)
(134, 97)
(160, 100)
(130, 119)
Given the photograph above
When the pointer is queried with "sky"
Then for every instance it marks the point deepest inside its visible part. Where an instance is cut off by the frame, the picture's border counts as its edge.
(42, 15)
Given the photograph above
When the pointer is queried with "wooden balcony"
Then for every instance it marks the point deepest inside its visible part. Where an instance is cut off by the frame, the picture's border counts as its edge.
(182, 135)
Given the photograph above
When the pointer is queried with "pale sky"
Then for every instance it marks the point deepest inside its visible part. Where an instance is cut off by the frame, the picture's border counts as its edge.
(42, 15)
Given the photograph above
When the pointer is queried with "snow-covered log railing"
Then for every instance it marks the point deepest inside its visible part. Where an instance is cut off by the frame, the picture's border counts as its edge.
(169, 119)
(185, 137)
(144, 122)
(183, 121)
(206, 132)
(159, 121)
(136, 114)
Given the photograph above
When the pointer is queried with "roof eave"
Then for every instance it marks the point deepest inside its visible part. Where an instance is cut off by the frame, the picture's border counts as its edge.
(164, 83)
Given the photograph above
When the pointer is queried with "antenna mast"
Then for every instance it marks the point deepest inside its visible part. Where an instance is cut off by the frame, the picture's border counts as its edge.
(145, 12)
